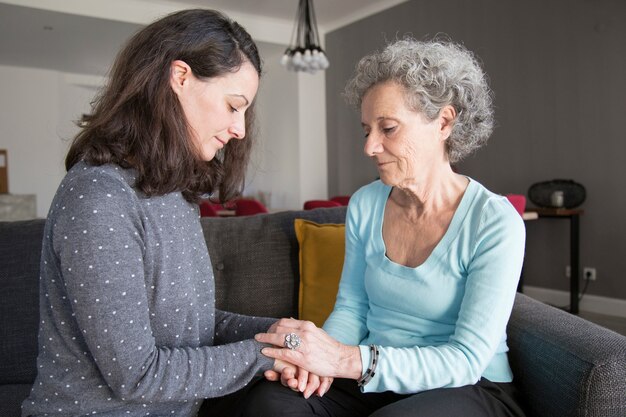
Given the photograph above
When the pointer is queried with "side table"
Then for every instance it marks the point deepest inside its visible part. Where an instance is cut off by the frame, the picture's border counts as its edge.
(574, 246)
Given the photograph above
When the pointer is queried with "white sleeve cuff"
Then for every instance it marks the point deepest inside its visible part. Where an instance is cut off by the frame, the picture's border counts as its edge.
(365, 358)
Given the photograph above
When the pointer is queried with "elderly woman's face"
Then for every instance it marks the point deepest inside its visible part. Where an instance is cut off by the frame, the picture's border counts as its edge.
(404, 145)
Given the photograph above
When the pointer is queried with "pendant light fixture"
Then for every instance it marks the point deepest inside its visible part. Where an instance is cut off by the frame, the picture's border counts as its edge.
(304, 52)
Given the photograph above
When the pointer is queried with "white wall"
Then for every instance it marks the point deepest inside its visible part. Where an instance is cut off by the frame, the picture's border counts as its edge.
(274, 165)
(312, 137)
(39, 105)
(36, 109)
(290, 158)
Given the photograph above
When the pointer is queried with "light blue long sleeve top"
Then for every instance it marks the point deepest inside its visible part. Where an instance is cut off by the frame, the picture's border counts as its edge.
(443, 323)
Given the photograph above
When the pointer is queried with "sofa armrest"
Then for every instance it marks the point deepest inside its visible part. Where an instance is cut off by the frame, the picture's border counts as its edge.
(565, 365)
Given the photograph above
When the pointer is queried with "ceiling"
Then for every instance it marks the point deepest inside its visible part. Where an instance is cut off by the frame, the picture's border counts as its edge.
(59, 41)
(82, 37)
(330, 14)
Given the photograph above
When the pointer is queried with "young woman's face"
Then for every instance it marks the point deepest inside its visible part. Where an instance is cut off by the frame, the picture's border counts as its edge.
(215, 107)
(404, 145)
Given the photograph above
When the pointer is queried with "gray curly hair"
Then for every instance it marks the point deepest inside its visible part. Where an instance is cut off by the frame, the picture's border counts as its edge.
(434, 74)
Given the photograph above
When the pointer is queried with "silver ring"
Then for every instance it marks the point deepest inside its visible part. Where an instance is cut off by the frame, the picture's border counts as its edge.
(292, 341)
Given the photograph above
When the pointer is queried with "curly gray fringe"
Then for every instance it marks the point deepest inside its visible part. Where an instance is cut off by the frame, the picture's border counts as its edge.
(434, 74)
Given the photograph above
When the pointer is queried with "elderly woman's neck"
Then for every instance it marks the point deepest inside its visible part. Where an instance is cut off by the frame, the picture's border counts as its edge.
(440, 191)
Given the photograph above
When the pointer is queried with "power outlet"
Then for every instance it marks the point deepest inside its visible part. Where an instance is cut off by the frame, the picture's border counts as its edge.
(568, 271)
(589, 273)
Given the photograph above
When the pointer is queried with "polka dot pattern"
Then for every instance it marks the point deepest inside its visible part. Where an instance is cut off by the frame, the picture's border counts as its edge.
(128, 319)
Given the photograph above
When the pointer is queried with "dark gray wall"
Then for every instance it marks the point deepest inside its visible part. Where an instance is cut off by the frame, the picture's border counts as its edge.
(558, 69)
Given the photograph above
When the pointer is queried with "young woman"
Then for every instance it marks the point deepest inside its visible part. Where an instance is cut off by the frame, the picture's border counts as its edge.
(128, 319)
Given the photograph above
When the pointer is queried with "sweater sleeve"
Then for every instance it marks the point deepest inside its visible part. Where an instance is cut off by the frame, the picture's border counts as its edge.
(347, 322)
(491, 283)
(98, 239)
(232, 327)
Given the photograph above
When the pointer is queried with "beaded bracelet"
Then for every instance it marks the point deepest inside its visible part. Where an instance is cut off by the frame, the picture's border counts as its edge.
(371, 370)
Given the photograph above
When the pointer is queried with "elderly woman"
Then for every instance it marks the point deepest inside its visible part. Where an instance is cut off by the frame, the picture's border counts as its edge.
(432, 257)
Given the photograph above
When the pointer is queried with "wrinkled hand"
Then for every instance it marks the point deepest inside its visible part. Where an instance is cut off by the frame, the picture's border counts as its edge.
(318, 353)
(295, 378)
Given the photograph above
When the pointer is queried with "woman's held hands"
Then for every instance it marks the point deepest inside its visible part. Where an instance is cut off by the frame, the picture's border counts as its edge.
(317, 353)
(298, 379)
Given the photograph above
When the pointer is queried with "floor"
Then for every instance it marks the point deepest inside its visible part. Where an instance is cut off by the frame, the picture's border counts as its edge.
(617, 324)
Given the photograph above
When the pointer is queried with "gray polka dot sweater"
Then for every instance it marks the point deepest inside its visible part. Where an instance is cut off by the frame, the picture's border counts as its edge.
(128, 320)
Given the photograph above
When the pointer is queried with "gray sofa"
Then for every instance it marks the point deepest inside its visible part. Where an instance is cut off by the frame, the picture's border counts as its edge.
(563, 365)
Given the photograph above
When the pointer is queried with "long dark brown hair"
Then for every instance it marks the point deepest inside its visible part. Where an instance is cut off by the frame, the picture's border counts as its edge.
(137, 120)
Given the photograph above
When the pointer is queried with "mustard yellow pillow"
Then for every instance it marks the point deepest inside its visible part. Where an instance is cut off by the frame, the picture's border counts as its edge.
(322, 248)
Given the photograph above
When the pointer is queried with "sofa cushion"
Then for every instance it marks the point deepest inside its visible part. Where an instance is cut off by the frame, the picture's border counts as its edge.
(20, 253)
(322, 249)
(565, 365)
(255, 260)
